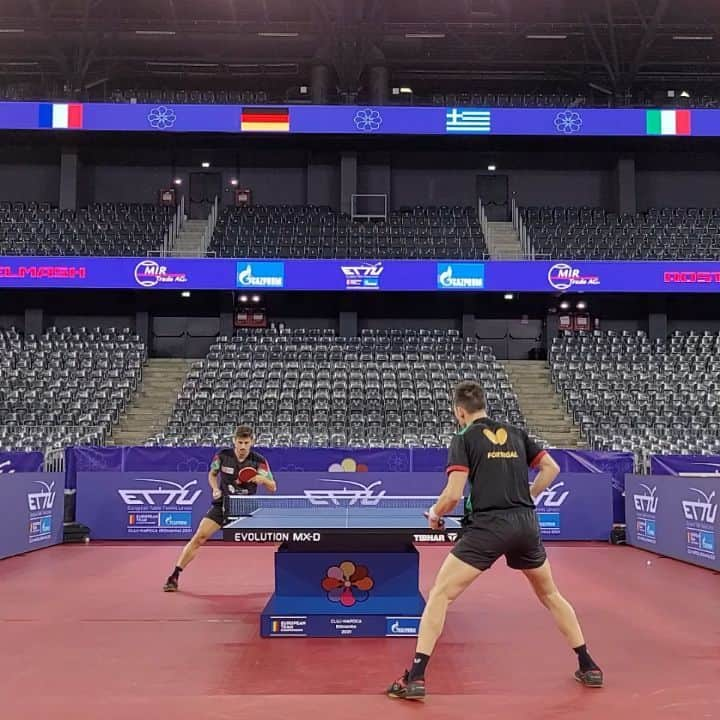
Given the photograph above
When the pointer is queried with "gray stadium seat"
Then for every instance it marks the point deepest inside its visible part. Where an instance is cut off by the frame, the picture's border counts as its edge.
(628, 393)
(587, 233)
(67, 386)
(387, 388)
(319, 232)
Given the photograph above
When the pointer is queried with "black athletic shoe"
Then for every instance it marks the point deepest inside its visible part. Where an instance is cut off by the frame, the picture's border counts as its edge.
(590, 678)
(407, 689)
(171, 584)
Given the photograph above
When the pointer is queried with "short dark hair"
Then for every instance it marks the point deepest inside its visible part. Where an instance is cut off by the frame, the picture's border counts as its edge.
(469, 395)
(243, 431)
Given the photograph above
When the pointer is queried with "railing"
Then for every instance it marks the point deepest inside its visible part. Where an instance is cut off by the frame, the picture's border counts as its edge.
(483, 219)
(171, 234)
(210, 228)
(54, 460)
(519, 225)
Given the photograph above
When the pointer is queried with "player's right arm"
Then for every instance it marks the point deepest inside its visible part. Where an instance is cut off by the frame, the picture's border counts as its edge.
(213, 477)
(541, 460)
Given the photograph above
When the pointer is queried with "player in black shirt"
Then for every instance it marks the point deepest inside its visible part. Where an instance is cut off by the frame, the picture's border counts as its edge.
(499, 520)
(225, 479)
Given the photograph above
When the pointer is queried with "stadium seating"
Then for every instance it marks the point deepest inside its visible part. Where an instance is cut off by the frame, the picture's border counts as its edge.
(319, 232)
(597, 234)
(629, 393)
(65, 387)
(387, 388)
(104, 229)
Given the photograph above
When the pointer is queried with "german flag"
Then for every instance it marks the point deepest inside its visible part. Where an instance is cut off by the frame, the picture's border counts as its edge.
(265, 119)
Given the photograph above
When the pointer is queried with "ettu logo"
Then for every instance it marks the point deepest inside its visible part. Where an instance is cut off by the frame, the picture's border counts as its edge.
(646, 503)
(704, 510)
(552, 497)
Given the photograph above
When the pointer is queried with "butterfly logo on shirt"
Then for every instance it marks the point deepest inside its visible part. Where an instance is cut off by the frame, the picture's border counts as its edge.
(496, 438)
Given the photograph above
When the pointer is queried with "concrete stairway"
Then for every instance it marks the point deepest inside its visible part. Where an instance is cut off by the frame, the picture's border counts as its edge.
(503, 241)
(542, 407)
(189, 241)
(150, 409)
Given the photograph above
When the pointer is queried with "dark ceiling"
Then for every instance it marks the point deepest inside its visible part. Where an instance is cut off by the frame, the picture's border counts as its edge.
(617, 44)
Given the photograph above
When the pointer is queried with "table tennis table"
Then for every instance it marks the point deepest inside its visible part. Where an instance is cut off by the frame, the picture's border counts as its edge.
(343, 567)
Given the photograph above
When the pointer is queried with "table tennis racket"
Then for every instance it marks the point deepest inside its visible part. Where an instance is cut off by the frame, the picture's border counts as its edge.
(441, 521)
(246, 475)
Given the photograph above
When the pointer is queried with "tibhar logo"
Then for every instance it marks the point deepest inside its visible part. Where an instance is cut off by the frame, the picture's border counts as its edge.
(646, 503)
(552, 497)
(362, 495)
(6, 467)
(44, 500)
(704, 511)
(171, 494)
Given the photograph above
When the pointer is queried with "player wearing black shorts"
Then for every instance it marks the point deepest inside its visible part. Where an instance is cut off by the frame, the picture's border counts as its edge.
(499, 520)
(225, 479)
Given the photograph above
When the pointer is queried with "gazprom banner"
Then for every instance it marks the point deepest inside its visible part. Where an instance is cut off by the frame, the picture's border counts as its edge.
(674, 516)
(169, 505)
(32, 511)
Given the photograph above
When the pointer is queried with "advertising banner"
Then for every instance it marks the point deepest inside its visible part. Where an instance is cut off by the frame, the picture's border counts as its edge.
(686, 465)
(15, 462)
(674, 516)
(32, 511)
(169, 505)
(359, 275)
(357, 120)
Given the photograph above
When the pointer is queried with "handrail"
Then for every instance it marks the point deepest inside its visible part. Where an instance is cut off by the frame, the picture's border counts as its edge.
(483, 219)
(210, 227)
(520, 227)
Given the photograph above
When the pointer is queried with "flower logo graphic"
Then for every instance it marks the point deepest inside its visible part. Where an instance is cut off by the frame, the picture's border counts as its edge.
(367, 120)
(348, 465)
(347, 583)
(568, 122)
(162, 118)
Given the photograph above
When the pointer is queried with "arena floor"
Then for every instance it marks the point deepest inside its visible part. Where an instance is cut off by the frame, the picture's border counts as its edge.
(86, 632)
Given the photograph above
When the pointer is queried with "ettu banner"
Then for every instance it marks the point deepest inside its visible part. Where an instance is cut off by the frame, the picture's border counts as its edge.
(685, 465)
(33, 508)
(170, 505)
(674, 516)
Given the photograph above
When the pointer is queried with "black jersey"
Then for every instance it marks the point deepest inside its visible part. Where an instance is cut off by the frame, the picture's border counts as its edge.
(228, 467)
(496, 457)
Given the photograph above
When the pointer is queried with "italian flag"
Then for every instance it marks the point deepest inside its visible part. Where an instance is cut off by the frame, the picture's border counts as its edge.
(668, 122)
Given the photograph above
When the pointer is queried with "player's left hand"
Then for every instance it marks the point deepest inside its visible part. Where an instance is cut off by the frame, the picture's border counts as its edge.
(260, 479)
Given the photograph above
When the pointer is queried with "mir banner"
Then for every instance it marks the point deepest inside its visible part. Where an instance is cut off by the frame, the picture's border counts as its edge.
(674, 516)
(169, 505)
(32, 509)
(366, 275)
(356, 120)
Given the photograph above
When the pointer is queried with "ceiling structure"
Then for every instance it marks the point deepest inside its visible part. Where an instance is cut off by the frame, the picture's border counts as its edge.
(614, 44)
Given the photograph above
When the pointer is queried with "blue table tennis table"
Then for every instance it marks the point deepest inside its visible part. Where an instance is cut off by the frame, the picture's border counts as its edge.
(343, 568)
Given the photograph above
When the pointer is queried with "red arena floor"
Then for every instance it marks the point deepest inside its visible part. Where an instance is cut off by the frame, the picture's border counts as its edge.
(86, 632)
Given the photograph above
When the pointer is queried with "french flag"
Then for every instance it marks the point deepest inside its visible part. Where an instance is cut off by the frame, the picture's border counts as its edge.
(60, 116)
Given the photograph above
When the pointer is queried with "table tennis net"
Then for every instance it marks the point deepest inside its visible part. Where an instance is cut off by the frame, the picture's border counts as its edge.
(327, 501)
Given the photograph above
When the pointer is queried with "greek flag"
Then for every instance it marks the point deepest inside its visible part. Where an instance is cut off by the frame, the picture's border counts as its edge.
(467, 121)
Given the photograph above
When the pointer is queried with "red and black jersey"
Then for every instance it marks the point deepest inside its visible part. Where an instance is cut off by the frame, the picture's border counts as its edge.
(228, 467)
(496, 457)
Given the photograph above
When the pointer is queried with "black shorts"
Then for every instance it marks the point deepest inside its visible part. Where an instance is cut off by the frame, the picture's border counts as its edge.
(513, 533)
(216, 513)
